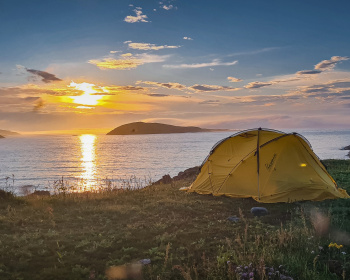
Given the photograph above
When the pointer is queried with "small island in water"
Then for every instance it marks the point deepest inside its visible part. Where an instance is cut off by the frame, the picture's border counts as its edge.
(155, 128)
(8, 133)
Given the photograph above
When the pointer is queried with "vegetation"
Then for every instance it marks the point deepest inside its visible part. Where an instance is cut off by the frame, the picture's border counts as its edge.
(159, 232)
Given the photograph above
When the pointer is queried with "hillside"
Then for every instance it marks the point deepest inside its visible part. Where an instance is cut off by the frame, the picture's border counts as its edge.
(153, 128)
(8, 133)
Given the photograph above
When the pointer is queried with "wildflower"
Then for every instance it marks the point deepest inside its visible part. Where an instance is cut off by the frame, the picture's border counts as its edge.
(338, 246)
(320, 247)
(312, 252)
(343, 253)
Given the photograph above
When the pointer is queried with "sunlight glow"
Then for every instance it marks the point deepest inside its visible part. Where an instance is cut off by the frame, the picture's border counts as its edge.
(88, 160)
(89, 97)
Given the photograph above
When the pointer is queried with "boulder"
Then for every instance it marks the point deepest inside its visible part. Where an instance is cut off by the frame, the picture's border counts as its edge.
(188, 173)
(347, 148)
(259, 211)
(166, 179)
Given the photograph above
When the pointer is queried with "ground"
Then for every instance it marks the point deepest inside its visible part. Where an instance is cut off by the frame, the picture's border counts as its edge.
(185, 236)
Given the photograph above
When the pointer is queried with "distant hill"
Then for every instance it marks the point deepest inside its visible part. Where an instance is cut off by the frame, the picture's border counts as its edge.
(154, 128)
(8, 133)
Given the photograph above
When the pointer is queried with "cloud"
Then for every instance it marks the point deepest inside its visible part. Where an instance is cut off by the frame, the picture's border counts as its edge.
(258, 84)
(196, 87)
(152, 58)
(138, 18)
(325, 65)
(45, 76)
(119, 64)
(255, 51)
(210, 102)
(330, 64)
(234, 80)
(169, 7)
(308, 72)
(188, 38)
(38, 105)
(147, 46)
(209, 88)
(164, 85)
(332, 89)
(127, 61)
(157, 95)
(215, 62)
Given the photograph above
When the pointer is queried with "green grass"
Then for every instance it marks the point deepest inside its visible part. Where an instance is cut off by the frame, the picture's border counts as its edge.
(186, 236)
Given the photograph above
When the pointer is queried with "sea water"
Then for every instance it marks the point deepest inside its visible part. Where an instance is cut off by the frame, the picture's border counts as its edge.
(42, 162)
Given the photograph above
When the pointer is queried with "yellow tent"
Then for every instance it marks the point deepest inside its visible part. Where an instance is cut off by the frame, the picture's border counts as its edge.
(267, 165)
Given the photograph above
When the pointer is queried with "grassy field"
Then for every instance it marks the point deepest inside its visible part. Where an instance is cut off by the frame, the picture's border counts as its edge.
(184, 236)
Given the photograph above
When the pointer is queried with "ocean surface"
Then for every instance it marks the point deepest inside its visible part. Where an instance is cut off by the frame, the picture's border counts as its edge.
(91, 161)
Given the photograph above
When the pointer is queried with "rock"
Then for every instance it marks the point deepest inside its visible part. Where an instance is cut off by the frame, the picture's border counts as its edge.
(166, 179)
(1, 136)
(233, 219)
(347, 148)
(259, 211)
(188, 173)
(145, 261)
(41, 193)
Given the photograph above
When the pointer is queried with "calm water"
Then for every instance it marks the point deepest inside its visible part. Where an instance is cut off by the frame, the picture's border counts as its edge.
(88, 159)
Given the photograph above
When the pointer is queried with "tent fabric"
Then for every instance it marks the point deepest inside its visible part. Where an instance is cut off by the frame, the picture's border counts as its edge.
(267, 165)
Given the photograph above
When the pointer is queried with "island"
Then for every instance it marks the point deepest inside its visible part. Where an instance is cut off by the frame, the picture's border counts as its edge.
(8, 133)
(155, 128)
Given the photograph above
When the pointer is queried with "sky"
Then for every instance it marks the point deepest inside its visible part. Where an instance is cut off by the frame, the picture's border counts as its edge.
(74, 65)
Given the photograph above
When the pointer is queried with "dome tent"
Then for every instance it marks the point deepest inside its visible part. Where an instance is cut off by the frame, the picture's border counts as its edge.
(267, 165)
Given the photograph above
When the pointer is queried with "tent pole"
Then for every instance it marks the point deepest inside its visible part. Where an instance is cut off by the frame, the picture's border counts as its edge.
(258, 160)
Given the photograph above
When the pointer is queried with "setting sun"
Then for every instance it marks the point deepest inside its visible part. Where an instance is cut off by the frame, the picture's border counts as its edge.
(89, 97)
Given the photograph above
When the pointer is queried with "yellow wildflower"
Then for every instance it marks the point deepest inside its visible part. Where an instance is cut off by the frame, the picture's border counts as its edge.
(335, 245)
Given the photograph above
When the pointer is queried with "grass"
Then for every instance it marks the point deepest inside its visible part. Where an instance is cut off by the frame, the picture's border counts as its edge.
(104, 235)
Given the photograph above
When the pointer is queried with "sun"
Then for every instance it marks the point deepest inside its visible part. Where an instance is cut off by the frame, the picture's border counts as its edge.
(89, 97)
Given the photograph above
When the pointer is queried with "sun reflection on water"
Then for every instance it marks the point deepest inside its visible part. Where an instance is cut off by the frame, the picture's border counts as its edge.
(88, 160)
